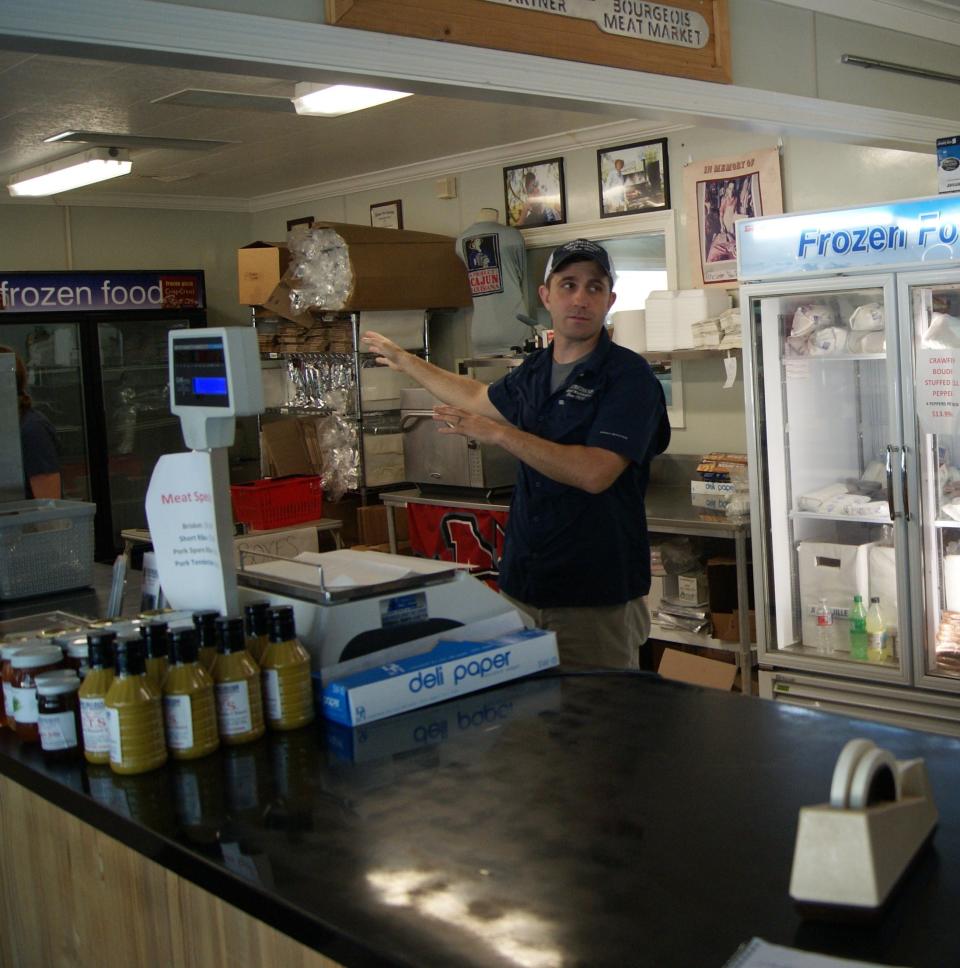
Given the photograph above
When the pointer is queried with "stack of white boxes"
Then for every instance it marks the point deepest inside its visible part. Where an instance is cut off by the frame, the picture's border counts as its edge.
(658, 313)
(671, 315)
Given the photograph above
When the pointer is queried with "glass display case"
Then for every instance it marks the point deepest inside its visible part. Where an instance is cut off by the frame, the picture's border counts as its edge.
(852, 379)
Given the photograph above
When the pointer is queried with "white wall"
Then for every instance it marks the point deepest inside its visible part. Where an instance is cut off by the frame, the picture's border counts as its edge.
(34, 237)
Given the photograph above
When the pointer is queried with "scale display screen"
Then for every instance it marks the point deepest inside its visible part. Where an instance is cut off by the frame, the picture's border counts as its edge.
(200, 372)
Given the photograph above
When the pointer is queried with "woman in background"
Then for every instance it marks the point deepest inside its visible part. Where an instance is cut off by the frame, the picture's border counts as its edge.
(38, 442)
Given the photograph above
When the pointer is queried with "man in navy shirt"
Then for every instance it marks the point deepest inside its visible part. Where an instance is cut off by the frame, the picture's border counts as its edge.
(585, 417)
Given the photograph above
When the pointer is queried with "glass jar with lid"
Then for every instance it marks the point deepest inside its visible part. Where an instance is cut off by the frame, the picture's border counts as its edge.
(6, 677)
(26, 665)
(58, 706)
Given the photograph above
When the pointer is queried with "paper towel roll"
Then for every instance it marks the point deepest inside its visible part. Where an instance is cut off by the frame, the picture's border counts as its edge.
(630, 330)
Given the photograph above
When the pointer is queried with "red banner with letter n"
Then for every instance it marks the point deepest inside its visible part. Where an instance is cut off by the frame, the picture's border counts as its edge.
(467, 536)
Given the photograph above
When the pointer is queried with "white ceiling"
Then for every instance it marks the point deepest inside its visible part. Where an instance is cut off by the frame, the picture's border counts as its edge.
(266, 151)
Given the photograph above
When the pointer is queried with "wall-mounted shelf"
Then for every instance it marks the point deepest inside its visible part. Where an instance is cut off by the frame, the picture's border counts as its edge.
(690, 353)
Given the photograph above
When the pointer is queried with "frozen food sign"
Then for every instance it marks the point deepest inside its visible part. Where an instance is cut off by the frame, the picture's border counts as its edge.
(925, 230)
(659, 22)
(52, 292)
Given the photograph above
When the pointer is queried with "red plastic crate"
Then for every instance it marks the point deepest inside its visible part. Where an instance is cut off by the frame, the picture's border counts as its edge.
(277, 502)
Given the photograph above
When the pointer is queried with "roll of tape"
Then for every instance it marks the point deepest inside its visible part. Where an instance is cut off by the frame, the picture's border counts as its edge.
(874, 780)
(843, 772)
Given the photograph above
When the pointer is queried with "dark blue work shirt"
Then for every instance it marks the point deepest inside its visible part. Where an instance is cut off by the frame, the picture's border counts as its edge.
(563, 545)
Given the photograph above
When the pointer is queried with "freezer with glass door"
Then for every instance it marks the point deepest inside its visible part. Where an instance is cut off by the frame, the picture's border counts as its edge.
(852, 401)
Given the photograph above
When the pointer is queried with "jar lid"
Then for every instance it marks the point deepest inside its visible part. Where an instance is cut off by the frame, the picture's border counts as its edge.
(76, 647)
(7, 651)
(40, 655)
(58, 686)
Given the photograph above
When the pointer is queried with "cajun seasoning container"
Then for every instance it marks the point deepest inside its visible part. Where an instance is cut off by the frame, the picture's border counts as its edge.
(134, 714)
(154, 635)
(237, 679)
(26, 665)
(287, 689)
(204, 623)
(256, 620)
(59, 715)
(189, 709)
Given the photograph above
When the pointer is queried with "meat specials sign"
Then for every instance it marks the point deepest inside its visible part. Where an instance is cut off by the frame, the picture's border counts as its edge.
(686, 38)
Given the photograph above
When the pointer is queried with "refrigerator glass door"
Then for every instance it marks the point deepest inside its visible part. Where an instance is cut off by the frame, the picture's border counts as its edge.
(136, 401)
(51, 353)
(934, 310)
(831, 465)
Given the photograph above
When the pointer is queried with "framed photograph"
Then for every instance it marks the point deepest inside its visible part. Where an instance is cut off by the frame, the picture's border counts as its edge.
(307, 220)
(534, 194)
(633, 178)
(387, 215)
(722, 192)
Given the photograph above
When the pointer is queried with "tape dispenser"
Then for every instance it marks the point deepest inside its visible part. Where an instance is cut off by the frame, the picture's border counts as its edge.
(851, 852)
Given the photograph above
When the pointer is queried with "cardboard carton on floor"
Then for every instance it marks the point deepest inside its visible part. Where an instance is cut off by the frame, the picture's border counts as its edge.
(726, 625)
(684, 667)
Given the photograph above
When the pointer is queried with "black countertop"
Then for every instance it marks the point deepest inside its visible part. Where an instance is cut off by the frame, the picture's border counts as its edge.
(579, 820)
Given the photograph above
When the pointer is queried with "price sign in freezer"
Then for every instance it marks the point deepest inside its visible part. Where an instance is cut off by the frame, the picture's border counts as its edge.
(938, 390)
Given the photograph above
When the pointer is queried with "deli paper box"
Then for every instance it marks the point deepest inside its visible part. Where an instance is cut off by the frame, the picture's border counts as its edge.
(448, 669)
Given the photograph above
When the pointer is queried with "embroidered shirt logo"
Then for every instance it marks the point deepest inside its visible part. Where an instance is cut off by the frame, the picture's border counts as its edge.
(577, 392)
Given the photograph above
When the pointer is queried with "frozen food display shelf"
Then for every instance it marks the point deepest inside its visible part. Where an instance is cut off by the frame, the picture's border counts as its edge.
(815, 516)
(833, 358)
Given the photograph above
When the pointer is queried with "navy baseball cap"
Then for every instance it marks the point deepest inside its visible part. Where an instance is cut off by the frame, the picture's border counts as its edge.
(579, 250)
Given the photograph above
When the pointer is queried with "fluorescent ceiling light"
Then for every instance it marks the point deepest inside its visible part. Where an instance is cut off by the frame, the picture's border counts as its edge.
(335, 99)
(74, 171)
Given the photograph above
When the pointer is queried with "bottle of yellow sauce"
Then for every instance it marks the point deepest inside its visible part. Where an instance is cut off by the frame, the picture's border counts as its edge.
(257, 625)
(287, 689)
(93, 694)
(237, 679)
(154, 635)
(189, 711)
(205, 624)
(134, 714)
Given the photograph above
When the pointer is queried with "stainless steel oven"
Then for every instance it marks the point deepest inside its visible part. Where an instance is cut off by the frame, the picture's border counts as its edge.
(447, 460)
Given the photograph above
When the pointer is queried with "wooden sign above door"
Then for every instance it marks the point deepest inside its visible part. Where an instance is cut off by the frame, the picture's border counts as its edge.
(683, 38)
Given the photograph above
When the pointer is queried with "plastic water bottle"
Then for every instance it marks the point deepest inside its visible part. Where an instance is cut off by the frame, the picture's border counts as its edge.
(824, 627)
(878, 649)
(858, 630)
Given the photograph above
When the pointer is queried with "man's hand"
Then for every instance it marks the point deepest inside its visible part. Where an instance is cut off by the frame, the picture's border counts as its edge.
(453, 420)
(387, 351)
(592, 469)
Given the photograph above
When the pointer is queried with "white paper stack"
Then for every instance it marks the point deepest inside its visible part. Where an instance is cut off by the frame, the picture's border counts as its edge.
(706, 334)
(658, 317)
(692, 306)
(731, 329)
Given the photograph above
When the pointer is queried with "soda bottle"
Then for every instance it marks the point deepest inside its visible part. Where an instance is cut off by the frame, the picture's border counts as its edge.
(878, 649)
(824, 627)
(858, 630)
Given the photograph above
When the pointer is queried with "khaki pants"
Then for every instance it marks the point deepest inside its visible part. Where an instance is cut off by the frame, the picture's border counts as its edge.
(599, 636)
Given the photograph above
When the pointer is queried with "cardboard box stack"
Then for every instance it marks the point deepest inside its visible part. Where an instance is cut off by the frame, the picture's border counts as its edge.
(389, 269)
